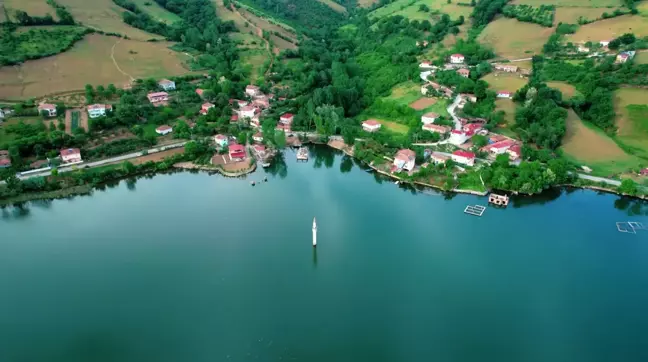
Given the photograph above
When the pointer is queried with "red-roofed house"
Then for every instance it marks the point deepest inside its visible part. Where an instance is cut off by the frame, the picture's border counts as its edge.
(260, 149)
(252, 90)
(464, 157)
(163, 130)
(405, 160)
(258, 137)
(98, 110)
(429, 117)
(234, 118)
(425, 64)
(69, 155)
(438, 158)
(457, 58)
(515, 152)
(503, 94)
(371, 125)
(247, 112)
(464, 72)
(5, 160)
(435, 128)
(644, 172)
(200, 92)
(237, 152)
(500, 147)
(206, 107)
(472, 128)
(261, 102)
(286, 118)
(157, 98)
(49, 109)
(220, 140)
(458, 137)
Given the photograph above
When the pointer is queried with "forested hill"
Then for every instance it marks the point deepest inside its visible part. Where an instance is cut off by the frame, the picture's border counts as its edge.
(310, 16)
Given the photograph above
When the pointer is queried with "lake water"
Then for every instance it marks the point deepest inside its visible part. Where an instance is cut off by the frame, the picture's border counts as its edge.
(193, 267)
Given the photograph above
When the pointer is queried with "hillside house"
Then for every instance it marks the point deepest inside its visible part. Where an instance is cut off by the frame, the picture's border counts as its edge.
(47, 109)
(371, 125)
(70, 155)
(464, 157)
(234, 118)
(604, 43)
(425, 64)
(438, 158)
(464, 72)
(258, 137)
(98, 110)
(499, 148)
(515, 152)
(457, 58)
(164, 130)
(204, 109)
(260, 150)
(472, 128)
(200, 92)
(506, 68)
(252, 90)
(405, 160)
(504, 94)
(261, 102)
(429, 117)
(247, 112)
(583, 49)
(286, 118)
(458, 137)
(158, 98)
(624, 56)
(167, 85)
(435, 128)
(469, 97)
(220, 140)
(5, 160)
(237, 152)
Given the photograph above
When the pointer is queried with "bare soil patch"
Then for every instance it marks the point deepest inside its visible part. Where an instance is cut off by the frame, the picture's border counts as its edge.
(159, 156)
(566, 89)
(513, 39)
(588, 145)
(609, 29)
(423, 103)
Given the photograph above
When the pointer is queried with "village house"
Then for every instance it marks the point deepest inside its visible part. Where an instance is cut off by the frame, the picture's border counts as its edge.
(255, 121)
(425, 64)
(583, 49)
(458, 137)
(472, 128)
(158, 98)
(435, 128)
(604, 43)
(499, 148)
(258, 137)
(457, 58)
(287, 118)
(164, 130)
(503, 94)
(70, 155)
(247, 112)
(241, 103)
(234, 118)
(469, 97)
(98, 110)
(200, 92)
(47, 109)
(429, 117)
(204, 109)
(5, 160)
(260, 150)
(252, 90)
(261, 102)
(506, 68)
(464, 157)
(220, 140)
(514, 152)
(371, 125)
(237, 152)
(167, 85)
(405, 160)
(624, 56)
(464, 72)
(438, 158)
(643, 172)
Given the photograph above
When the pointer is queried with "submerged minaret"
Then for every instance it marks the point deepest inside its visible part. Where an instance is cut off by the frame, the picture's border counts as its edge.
(314, 233)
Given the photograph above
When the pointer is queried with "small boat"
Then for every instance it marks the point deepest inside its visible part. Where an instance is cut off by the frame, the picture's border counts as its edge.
(397, 183)
(252, 183)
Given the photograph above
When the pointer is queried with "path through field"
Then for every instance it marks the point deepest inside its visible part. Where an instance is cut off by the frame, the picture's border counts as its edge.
(112, 56)
(259, 32)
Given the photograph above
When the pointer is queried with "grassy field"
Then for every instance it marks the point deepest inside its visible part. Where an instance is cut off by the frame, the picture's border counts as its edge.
(90, 62)
(408, 92)
(566, 89)
(8, 137)
(333, 5)
(505, 81)
(641, 58)
(411, 11)
(508, 106)
(156, 11)
(572, 14)
(32, 7)
(611, 28)
(576, 3)
(394, 127)
(254, 58)
(104, 15)
(512, 39)
(632, 122)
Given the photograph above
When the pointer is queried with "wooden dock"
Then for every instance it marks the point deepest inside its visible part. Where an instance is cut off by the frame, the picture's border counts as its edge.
(498, 200)
(302, 154)
(475, 210)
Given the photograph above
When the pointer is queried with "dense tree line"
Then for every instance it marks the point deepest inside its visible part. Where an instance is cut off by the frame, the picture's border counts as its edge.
(541, 15)
(485, 10)
(541, 119)
(16, 47)
(137, 18)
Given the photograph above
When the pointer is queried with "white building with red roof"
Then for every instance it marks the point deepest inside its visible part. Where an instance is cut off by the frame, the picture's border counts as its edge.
(204, 109)
(464, 72)
(287, 118)
(98, 110)
(48, 109)
(425, 64)
(258, 137)
(5, 160)
(504, 94)
(429, 117)
(157, 98)
(457, 58)
(220, 140)
(458, 137)
(70, 155)
(472, 128)
(237, 152)
(405, 159)
(435, 128)
(259, 149)
(438, 158)
(164, 130)
(247, 112)
(464, 157)
(200, 92)
(252, 90)
(515, 152)
(371, 125)
(500, 147)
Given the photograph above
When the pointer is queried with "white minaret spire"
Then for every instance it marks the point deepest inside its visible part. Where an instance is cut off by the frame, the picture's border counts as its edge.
(314, 233)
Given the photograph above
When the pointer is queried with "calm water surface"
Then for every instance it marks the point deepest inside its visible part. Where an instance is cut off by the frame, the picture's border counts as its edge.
(193, 267)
